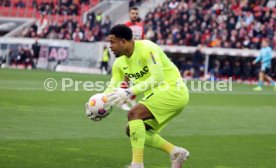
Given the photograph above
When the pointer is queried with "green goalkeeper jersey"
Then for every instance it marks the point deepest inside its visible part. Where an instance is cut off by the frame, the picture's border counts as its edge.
(147, 68)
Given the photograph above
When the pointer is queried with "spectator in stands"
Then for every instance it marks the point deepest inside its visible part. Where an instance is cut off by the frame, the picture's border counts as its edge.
(46, 7)
(173, 4)
(89, 37)
(21, 57)
(106, 25)
(20, 4)
(70, 24)
(73, 9)
(197, 61)
(246, 70)
(52, 34)
(2, 59)
(97, 33)
(214, 23)
(150, 34)
(131, 3)
(29, 58)
(188, 70)
(215, 68)
(231, 23)
(226, 69)
(12, 56)
(86, 2)
(35, 4)
(274, 42)
(35, 51)
(41, 24)
(236, 72)
(91, 17)
(77, 35)
(64, 7)
(6, 3)
(138, 2)
(248, 18)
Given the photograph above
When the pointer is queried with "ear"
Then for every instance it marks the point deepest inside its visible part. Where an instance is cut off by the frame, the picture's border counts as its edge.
(124, 41)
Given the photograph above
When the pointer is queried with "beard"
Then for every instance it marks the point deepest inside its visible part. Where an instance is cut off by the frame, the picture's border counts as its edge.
(117, 54)
(134, 20)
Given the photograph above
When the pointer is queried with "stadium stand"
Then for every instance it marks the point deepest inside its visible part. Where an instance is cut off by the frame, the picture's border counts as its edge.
(56, 19)
(15, 8)
(213, 23)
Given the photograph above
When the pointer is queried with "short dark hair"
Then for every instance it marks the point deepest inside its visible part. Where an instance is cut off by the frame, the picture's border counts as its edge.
(121, 31)
(133, 8)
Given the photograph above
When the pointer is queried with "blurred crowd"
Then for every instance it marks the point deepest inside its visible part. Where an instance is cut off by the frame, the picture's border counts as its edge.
(62, 7)
(133, 3)
(214, 23)
(95, 29)
(62, 19)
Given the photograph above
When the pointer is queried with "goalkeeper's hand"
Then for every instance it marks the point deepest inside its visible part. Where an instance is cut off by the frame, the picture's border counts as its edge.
(95, 118)
(90, 115)
(119, 96)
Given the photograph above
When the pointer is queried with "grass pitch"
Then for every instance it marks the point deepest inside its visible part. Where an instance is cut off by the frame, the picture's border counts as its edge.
(46, 129)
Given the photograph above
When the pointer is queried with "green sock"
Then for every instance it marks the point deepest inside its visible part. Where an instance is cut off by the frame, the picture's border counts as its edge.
(137, 139)
(154, 140)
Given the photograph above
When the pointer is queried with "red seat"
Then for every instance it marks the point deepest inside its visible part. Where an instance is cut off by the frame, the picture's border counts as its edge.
(5, 11)
(20, 12)
(31, 12)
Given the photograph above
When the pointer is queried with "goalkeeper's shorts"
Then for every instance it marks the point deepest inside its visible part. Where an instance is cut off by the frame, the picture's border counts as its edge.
(165, 104)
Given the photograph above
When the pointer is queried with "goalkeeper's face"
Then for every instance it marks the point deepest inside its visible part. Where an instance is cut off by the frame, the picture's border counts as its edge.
(117, 45)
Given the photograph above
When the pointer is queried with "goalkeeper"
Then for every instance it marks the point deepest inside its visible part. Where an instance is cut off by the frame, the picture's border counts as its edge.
(165, 94)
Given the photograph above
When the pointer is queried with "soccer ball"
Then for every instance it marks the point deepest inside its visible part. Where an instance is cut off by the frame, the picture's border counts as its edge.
(97, 108)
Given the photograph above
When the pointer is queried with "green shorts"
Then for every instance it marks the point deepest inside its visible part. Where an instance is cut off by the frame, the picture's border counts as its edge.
(165, 104)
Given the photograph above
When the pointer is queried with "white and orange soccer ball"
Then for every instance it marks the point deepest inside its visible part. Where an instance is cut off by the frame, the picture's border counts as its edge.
(97, 107)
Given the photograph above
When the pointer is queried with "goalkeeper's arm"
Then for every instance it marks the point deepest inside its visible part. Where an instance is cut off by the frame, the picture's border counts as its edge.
(116, 79)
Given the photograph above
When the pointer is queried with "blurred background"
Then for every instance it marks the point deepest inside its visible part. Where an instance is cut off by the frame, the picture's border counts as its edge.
(217, 38)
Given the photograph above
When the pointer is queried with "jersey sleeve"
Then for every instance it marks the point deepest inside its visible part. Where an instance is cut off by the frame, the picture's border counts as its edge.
(258, 58)
(154, 63)
(127, 23)
(268, 56)
(117, 78)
